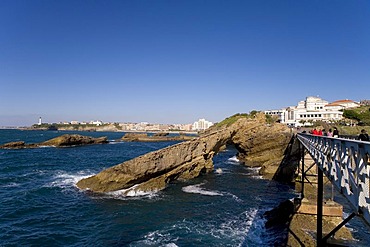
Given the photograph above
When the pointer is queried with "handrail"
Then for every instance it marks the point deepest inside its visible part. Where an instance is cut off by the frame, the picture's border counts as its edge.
(346, 164)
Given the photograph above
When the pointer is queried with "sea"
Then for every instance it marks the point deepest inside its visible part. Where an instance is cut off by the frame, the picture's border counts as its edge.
(40, 204)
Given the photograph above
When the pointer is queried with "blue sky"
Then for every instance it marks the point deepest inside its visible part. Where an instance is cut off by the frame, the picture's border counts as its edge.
(177, 61)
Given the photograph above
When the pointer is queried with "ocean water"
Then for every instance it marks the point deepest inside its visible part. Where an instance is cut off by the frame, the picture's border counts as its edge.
(41, 206)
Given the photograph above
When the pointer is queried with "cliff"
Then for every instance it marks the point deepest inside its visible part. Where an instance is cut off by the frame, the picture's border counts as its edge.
(61, 141)
(259, 144)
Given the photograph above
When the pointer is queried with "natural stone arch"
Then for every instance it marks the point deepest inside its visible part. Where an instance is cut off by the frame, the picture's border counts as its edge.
(258, 144)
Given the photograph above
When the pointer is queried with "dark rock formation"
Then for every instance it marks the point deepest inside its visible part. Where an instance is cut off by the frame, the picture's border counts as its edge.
(61, 141)
(258, 143)
(286, 171)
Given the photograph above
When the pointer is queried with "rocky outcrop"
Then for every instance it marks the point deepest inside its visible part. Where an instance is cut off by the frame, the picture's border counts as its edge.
(292, 155)
(154, 170)
(61, 141)
(258, 143)
(157, 137)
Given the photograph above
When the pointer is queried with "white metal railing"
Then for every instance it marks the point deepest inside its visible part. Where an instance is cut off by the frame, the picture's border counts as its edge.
(346, 164)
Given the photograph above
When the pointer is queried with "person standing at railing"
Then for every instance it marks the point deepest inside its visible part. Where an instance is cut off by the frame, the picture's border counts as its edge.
(335, 132)
(330, 133)
(363, 136)
(319, 132)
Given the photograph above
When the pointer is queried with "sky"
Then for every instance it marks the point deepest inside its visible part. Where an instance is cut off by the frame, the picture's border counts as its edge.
(173, 61)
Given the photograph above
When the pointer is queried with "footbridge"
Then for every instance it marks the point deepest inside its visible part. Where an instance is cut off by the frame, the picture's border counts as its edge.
(345, 163)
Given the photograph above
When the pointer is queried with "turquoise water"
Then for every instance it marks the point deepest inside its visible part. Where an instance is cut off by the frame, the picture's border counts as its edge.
(41, 206)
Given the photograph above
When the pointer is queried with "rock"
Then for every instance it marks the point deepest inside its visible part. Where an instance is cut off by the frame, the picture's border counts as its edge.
(73, 140)
(256, 141)
(13, 145)
(154, 170)
(61, 141)
(260, 144)
(286, 170)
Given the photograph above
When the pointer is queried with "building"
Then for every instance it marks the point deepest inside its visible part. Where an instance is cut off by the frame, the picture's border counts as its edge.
(312, 109)
(96, 122)
(201, 124)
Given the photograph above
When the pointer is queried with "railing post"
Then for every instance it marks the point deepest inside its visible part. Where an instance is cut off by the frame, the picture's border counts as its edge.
(320, 192)
(303, 173)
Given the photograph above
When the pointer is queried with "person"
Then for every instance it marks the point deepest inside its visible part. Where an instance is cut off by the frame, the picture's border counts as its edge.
(335, 132)
(330, 133)
(324, 132)
(363, 136)
(319, 133)
(314, 132)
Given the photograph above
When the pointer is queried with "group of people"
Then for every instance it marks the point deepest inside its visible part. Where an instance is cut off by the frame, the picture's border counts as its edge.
(322, 132)
(363, 136)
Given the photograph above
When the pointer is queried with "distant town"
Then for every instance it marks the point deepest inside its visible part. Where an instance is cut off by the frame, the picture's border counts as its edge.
(201, 124)
(305, 113)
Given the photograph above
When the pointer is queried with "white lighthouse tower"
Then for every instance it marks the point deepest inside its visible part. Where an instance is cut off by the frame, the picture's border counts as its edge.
(40, 121)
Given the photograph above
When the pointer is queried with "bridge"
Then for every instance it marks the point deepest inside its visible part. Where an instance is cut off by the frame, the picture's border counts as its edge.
(346, 164)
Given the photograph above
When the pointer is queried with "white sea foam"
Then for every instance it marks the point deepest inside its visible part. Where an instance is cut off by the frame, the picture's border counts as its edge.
(196, 189)
(131, 192)
(67, 180)
(254, 169)
(237, 199)
(218, 171)
(171, 245)
(233, 160)
(11, 185)
(235, 230)
(46, 146)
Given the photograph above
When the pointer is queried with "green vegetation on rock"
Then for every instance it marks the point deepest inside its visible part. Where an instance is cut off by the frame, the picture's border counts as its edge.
(361, 115)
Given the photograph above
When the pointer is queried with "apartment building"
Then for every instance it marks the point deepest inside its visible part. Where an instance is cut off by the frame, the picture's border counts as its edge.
(201, 124)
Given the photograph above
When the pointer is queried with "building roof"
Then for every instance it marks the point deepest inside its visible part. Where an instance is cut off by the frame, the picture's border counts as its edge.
(341, 102)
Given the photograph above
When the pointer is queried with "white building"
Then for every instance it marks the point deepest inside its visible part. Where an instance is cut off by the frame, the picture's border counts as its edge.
(202, 124)
(97, 122)
(312, 109)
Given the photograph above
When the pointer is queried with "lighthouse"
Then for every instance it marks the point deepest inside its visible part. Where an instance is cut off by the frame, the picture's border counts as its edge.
(40, 121)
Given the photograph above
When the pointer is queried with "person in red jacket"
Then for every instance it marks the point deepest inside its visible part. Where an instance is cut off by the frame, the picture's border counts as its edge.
(314, 132)
(319, 133)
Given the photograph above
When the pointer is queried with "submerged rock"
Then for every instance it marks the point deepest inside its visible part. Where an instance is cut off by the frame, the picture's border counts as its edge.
(259, 144)
(61, 141)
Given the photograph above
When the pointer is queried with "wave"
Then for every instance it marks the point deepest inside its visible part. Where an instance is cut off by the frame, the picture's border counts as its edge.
(11, 185)
(231, 231)
(67, 180)
(219, 171)
(196, 189)
(131, 192)
(233, 160)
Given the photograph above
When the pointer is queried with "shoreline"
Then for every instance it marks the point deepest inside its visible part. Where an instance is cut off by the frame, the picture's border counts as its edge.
(103, 130)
